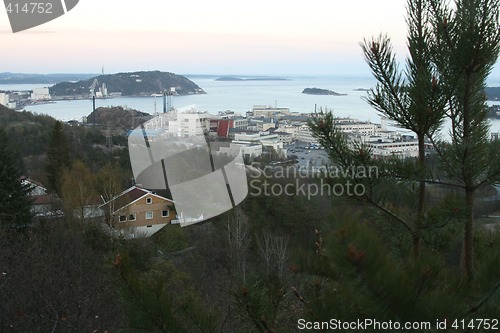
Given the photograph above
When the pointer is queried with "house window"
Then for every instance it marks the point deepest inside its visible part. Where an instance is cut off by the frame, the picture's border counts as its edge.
(122, 218)
(131, 217)
(164, 213)
(149, 201)
(149, 215)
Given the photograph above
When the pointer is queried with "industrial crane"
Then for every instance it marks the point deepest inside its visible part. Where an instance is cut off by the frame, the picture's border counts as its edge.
(92, 87)
(92, 95)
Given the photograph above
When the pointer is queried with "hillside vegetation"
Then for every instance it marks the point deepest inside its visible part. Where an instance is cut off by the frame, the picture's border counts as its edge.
(118, 118)
(130, 84)
(31, 135)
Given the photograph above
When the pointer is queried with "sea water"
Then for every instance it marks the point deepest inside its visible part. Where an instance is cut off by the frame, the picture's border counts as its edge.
(241, 96)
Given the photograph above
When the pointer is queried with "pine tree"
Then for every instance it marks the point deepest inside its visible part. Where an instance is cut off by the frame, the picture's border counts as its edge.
(358, 273)
(15, 204)
(414, 101)
(466, 47)
(58, 157)
(452, 52)
(409, 98)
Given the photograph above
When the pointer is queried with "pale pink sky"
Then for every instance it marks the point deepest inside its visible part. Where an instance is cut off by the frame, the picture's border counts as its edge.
(208, 37)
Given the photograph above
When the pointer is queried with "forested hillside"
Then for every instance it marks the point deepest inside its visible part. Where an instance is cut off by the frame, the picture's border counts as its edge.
(31, 135)
(130, 84)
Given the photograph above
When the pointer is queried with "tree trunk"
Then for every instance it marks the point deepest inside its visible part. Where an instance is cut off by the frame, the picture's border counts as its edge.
(468, 249)
(421, 195)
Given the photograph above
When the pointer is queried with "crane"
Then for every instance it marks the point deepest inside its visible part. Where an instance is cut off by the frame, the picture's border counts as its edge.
(92, 95)
(92, 87)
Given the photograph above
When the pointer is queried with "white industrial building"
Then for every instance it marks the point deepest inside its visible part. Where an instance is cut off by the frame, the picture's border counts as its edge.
(184, 122)
(348, 125)
(240, 122)
(304, 134)
(252, 144)
(40, 94)
(193, 123)
(5, 100)
(266, 111)
(247, 149)
(397, 145)
(284, 137)
(386, 148)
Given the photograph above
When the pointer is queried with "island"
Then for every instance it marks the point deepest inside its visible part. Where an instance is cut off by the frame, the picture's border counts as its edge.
(318, 91)
(229, 78)
(257, 78)
(361, 89)
(126, 84)
(492, 93)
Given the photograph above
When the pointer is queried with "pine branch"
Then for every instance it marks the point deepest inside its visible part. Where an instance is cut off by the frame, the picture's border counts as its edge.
(439, 182)
(379, 56)
(302, 300)
(476, 307)
(391, 214)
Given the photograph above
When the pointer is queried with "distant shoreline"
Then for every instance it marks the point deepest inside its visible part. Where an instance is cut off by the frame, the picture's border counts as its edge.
(237, 78)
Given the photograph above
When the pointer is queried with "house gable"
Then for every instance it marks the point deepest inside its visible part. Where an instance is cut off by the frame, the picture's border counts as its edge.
(139, 208)
(154, 198)
(131, 196)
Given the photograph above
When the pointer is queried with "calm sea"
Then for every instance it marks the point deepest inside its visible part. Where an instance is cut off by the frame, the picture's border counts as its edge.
(241, 96)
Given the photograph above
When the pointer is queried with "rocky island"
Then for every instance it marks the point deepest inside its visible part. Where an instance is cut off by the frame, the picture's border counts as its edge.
(318, 91)
(258, 78)
(492, 93)
(126, 84)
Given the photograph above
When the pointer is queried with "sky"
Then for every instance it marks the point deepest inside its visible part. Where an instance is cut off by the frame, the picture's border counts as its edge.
(258, 37)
